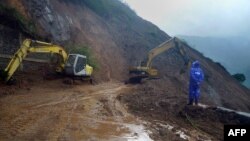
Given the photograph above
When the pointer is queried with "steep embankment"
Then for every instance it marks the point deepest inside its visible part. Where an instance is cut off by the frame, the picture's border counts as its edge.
(119, 38)
(111, 29)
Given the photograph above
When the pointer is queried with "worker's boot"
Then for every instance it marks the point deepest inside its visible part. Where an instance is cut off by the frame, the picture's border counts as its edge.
(196, 103)
(196, 100)
(190, 102)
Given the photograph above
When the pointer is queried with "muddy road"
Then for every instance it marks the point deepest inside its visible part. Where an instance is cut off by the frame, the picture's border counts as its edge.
(112, 111)
(62, 112)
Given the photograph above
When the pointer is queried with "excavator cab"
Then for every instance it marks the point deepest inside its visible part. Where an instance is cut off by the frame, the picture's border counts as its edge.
(76, 65)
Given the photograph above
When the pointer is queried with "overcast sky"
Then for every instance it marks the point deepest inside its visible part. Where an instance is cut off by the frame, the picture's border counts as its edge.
(196, 17)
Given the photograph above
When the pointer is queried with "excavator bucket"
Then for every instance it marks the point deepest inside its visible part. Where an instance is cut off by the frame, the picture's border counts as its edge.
(3, 75)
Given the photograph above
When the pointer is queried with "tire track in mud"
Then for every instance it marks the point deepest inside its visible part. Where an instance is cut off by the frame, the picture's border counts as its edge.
(30, 124)
(68, 124)
(20, 125)
(78, 113)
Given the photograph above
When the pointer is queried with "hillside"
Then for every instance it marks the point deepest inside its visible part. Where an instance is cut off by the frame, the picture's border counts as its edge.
(116, 33)
(231, 52)
(118, 38)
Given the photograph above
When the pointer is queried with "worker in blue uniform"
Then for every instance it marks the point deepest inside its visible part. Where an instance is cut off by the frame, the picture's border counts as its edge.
(196, 77)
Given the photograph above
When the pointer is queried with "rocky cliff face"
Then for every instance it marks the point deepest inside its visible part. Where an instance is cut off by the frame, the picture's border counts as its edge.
(57, 26)
(110, 35)
(119, 38)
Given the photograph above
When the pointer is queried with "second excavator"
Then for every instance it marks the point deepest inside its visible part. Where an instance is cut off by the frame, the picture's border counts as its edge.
(145, 70)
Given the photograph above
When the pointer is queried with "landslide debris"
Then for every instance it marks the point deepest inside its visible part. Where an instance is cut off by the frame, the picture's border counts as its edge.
(169, 106)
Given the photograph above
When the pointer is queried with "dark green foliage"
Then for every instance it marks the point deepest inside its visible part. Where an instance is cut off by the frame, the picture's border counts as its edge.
(84, 50)
(98, 6)
(106, 8)
(11, 17)
(240, 77)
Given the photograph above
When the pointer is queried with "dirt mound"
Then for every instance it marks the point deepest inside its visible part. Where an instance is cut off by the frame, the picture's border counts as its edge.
(165, 106)
(214, 114)
(212, 120)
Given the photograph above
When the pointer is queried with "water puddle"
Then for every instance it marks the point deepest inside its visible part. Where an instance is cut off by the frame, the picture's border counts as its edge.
(113, 130)
(137, 133)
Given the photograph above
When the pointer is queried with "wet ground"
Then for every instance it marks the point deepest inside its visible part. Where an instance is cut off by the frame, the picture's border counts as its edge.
(170, 115)
(51, 110)
(61, 112)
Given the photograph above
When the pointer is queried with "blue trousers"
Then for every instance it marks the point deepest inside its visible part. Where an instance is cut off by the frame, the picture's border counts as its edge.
(194, 94)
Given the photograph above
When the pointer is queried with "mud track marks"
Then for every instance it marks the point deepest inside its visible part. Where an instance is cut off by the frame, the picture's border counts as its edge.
(81, 112)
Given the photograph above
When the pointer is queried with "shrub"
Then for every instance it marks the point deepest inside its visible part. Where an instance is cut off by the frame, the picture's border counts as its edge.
(110, 8)
(240, 77)
(84, 50)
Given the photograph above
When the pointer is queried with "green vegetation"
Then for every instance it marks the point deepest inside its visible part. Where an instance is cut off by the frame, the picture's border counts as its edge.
(98, 6)
(11, 17)
(240, 77)
(108, 9)
(84, 50)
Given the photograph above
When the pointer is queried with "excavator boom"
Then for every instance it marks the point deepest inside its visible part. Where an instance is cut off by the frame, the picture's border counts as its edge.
(52, 49)
(40, 47)
(160, 49)
(145, 71)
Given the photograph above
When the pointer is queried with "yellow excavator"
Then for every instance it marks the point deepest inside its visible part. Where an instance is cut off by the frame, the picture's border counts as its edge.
(145, 71)
(73, 65)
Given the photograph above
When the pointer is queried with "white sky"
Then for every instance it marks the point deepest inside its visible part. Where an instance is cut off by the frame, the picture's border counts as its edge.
(196, 17)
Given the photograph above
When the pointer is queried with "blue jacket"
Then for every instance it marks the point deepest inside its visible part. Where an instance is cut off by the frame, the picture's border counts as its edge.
(196, 74)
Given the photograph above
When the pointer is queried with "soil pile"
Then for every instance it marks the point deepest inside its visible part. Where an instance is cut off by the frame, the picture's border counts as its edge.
(161, 106)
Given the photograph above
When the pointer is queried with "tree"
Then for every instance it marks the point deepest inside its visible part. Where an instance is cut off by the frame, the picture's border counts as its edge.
(240, 77)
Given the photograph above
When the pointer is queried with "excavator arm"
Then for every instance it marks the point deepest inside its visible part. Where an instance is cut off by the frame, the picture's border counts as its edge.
(158, 50)
(146, 71)
(171, 43)
(42, 47)
(39, 47)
